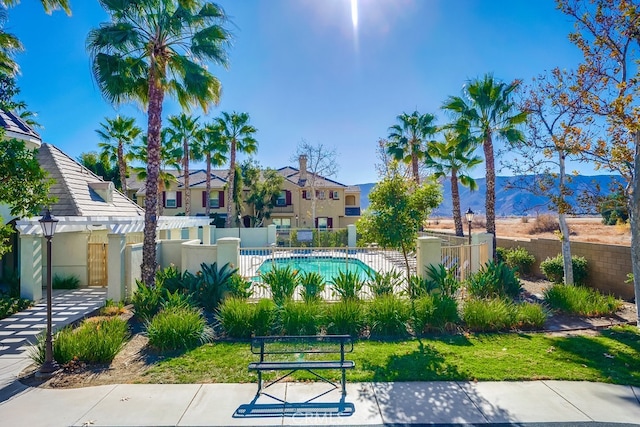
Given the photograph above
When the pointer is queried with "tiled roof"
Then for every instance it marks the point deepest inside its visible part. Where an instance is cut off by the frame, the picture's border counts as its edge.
(13, 123)
(293, 175)
(78, 189)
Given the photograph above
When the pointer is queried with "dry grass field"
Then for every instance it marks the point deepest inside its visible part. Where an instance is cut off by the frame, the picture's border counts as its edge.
(583, 229)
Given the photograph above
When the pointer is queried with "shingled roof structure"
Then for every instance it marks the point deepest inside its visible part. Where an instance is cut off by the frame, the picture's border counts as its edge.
(15, 127)
(79, 191)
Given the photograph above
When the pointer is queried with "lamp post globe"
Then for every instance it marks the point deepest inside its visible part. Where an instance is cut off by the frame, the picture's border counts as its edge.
(469, 215)
(48, 224)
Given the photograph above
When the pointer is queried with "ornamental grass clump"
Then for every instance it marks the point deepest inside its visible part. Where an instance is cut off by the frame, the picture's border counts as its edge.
(236, 316)
(581, 301)
(311, 286)
(499, 314)
(96, 340)
(347, 285)
(388, 316)
(345, 317)
(65, 282)
(385, 283)
(178, 328)
(299, 318)
(434, 313)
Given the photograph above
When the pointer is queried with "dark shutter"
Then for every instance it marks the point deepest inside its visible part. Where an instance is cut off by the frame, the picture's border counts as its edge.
(178, 199)
(164, 199)
(304, 194)
(329, 222)
(221, 199)
(330, 194)
(204, 199)
(287, 196)
(316, 222)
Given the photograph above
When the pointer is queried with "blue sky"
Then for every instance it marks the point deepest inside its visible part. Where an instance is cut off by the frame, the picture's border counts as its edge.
(301, 69)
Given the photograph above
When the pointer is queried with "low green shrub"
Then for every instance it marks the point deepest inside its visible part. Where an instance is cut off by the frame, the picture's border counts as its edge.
(387, 316)
(442, 280)
(11, 305)
(112, 308)
(299, 318)
(347, 285)
(178, 328)
(434, 312)
(553, 269)
(147, 300)
(177, 299)
(65, 282)
(519, 259)
(236, 316)
(580, 300)
(282, 281)
(311, 286)
(264, 317)
(173, 280)
(386, 283)
(96, 340)
(498, 314)
(418, 287)
(494, 280)
(345, 317)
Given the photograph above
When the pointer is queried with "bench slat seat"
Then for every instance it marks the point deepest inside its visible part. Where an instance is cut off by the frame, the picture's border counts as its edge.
(287, 366)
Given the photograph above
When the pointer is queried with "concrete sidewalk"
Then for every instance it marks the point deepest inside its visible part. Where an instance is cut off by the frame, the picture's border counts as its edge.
(409, 403)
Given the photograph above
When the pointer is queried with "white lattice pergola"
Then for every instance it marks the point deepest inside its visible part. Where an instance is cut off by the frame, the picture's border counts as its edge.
(115, 225)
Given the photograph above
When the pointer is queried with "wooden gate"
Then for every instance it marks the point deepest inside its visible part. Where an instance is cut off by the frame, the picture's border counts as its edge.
(97, 263)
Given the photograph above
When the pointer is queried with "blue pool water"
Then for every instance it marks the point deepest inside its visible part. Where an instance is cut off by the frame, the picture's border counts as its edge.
(327, 267)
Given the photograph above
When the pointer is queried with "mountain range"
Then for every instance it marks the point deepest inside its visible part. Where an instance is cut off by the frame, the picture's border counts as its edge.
(512, 201)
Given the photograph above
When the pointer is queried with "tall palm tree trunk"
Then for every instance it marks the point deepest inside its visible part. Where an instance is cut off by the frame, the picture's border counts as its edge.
(207, 209)
(122, 166)
(414, 168)
(156, 96)
(455, 197)
(230, 180)
(490, 200)
(185, 168)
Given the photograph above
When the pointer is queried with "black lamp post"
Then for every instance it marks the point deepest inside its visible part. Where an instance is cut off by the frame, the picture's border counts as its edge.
(48, 224)
(239, 220)
(296, 221)
(469, 214)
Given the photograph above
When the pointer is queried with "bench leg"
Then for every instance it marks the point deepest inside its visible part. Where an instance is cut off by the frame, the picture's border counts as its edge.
(344, 382)
(259, 382)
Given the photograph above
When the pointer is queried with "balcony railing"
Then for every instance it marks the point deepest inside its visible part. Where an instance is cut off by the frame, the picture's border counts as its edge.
(352, 211)
(282, 209)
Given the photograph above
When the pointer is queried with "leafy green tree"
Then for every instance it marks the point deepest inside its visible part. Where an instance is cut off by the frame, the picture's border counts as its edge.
(264, 188)
(186, 131)
(485, 110)
(452, 158)
(101, 166)
(407, 139)
(397, 209)
(238, 135)
(214, 151)
(8, 92)
(606, 31)
(24, 185)
(153, 48)
(117, 136)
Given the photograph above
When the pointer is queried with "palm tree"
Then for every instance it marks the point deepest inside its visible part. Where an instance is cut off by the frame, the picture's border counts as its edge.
(186, 131)
(213, 150)
(151, 48)
(48, 5)
(170, 158)
(9, 45)
(452, 158)
(118, 134)
(407, 138)
(485, 109)
(237, 134)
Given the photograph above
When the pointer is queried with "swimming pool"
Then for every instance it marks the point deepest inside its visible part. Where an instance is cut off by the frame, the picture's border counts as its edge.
(327, 266)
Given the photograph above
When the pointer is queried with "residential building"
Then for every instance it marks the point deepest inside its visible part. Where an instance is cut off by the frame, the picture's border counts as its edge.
(336, 205)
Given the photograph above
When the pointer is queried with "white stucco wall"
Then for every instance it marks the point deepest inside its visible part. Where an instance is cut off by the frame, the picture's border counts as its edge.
(69, 255)
(194, 254)
(133, 270)
(171, 253)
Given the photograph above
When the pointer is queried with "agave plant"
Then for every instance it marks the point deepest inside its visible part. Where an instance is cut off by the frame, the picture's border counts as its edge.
(213, 284)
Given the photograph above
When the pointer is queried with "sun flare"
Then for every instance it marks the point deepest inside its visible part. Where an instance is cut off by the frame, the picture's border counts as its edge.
(354, 13)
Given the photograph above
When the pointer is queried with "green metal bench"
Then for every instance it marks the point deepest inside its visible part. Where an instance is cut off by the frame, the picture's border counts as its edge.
(287, 353)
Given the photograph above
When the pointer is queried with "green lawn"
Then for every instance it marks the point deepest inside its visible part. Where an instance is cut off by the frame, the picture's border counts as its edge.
(612, 357)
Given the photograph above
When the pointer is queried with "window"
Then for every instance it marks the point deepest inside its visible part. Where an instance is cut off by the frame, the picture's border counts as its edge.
(323, 222)
(171, 200)
(282, 223)
(214, 200)
(335, 195)
(320, 194)
(282, 199)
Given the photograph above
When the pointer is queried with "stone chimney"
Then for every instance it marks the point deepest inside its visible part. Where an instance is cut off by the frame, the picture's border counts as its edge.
(303, 167)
